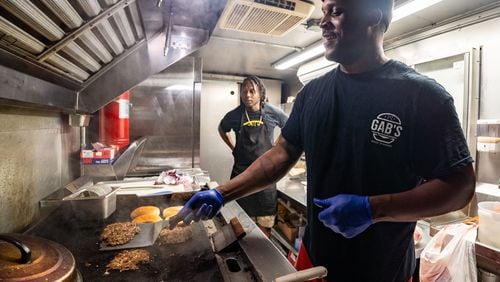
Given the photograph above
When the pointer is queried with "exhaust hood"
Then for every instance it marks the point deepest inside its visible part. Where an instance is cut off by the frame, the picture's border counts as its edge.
(77, 55)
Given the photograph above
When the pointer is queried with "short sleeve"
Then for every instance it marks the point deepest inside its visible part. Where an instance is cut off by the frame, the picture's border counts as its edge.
(439, 146)
(292, 129)
(225, 123)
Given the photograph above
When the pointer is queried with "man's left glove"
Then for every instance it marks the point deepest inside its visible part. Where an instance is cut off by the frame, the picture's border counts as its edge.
(202, 205)
(346, 214)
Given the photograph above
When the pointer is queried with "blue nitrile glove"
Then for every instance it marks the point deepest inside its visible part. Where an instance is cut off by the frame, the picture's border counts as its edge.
(203, 205)
(346, 214)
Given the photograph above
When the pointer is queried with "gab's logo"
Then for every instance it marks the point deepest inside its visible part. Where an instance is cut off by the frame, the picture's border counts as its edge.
(386, 128)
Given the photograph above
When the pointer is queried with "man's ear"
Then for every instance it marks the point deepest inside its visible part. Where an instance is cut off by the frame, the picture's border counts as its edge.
(375, 17)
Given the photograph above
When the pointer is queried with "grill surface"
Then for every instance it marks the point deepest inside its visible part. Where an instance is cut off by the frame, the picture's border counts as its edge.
(193, 260)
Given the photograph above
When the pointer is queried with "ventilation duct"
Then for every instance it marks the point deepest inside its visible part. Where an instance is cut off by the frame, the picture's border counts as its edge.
(18, 38)
(271, 17)
(65, 12)
(32, 16)
(78, 55)
(90, 7)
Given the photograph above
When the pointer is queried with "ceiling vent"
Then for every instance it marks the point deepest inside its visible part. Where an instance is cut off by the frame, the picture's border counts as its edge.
(271, 17)
(72, 38)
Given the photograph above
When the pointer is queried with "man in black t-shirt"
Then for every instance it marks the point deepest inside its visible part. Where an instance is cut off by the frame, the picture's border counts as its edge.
(383, 145)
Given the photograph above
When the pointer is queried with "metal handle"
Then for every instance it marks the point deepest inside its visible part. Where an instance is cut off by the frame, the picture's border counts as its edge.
(304, 275)
(25, 251)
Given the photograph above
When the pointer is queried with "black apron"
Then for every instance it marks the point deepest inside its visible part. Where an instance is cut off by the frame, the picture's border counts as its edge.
(251, 144)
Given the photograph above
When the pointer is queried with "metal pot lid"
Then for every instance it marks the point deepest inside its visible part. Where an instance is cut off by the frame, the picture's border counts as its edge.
(28, 258)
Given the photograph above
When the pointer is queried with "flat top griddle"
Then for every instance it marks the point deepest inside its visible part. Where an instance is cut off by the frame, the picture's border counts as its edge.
(192, 260)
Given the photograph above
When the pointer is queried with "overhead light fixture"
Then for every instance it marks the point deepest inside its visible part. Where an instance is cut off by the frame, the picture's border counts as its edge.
(309, 52)
(411, 7)
(315, 68)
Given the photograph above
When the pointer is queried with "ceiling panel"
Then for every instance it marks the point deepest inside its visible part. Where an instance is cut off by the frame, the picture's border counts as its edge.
(251, 57)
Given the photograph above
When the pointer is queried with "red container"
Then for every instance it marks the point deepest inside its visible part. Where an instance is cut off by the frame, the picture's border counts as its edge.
(114, 122)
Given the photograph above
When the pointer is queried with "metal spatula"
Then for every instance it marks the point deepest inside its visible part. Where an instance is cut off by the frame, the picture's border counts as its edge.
(147, 237)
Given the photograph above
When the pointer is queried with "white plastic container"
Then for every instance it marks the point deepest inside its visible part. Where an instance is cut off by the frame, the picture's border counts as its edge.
(489, 223)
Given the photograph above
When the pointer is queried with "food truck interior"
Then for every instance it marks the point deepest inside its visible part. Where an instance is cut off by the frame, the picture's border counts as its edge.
(118, 91)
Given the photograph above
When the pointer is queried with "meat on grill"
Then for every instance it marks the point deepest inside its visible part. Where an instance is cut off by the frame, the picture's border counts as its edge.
(128, 260)
(180, 234)
(119, 233)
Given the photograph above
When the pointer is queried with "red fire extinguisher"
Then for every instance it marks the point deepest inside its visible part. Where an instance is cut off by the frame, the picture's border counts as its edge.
(114, 122)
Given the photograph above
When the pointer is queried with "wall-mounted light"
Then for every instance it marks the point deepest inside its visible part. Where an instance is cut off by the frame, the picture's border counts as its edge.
(411, 7)
(317, 48)
(309, 52)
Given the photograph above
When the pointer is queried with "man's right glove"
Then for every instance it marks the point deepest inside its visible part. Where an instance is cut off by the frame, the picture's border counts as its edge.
(203, 205)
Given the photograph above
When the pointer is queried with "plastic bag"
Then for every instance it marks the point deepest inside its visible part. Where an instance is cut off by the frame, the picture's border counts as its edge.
(450, 256)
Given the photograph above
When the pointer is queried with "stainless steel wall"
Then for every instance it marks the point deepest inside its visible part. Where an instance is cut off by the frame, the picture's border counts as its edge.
(38, 155)
(166, 108)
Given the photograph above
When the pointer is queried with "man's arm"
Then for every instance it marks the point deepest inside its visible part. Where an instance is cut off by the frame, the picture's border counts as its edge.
(266, 170)
(226, 137)
(350, 215)
(435, 197)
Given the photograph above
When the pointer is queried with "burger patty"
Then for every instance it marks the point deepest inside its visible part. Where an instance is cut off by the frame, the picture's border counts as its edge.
(128, 260)
(180, 234)
(119, 233)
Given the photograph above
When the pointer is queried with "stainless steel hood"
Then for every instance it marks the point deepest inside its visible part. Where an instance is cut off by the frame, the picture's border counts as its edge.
(77, 55)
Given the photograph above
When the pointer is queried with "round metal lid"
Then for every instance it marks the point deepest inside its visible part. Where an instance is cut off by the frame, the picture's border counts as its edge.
(46, 260)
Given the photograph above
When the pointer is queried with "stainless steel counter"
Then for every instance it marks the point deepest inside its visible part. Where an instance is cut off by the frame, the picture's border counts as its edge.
(294, 190)
(267, 261)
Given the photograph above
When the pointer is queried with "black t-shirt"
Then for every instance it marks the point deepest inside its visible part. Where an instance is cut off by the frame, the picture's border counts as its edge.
(378, 132)
(273, 116)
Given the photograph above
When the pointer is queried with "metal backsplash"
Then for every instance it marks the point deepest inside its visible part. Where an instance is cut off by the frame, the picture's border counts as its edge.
(39, 156)
(165, 110)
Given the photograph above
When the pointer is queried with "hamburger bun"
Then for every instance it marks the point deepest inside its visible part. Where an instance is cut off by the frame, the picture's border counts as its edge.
(151, 210)
(171, 211)
(147, 218)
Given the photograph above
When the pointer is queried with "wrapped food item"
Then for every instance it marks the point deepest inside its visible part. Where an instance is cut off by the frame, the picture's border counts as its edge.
(174, 177)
